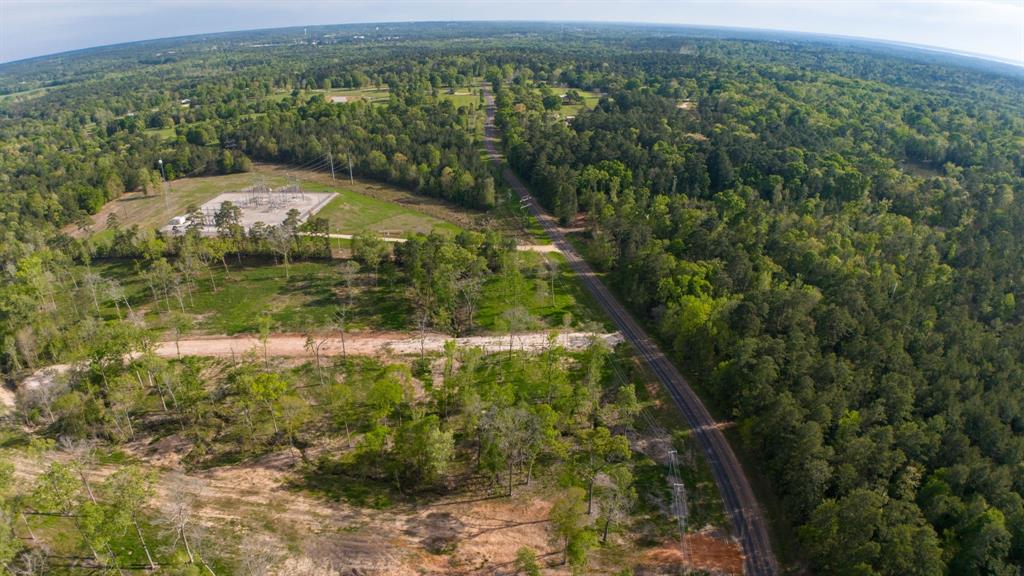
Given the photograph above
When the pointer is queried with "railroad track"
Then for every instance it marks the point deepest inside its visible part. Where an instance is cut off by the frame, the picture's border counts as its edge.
(737, 495)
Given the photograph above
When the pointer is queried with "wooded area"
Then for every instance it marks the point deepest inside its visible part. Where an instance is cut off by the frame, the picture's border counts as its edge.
(827, 237)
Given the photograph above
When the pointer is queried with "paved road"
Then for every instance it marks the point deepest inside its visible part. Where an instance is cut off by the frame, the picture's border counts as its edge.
(733, 485)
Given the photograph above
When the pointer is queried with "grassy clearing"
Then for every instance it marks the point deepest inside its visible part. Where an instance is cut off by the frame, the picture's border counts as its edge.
(379, 95)
(590, 99)
(163, 133)
(568, 305)
(315, 291)
(308, 300)
(152, 211)
(434, 207)
(368, 94)
(351, 212)
(389, 208)
(461, 97)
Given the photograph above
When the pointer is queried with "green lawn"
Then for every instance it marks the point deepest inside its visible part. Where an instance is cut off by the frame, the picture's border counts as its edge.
(153, 211)
(163, 133)
(314, 291)
(307, 299)
(570, 300)
(351, 212)
(380, 94)
(590, 99)
(461, 97)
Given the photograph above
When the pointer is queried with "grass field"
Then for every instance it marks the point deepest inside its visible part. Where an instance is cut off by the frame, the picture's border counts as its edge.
(590, 99)
(461, 97)
(456, 215)
(567, 305)
(369, 94)
(307, 300)
(163, 133)
(314, 291)
(388, 209)
(379, 95)
(151, 212)
(351, 212)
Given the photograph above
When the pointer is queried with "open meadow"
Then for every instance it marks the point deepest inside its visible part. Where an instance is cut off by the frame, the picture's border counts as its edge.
(357, 206)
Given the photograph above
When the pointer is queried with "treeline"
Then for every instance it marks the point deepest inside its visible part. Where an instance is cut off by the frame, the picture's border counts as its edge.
(51, 302)
(75, 147)
(835, 260)
(54, 299)
(431, 148)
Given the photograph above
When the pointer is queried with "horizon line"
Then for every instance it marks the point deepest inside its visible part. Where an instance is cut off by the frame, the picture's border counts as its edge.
(1018, 64)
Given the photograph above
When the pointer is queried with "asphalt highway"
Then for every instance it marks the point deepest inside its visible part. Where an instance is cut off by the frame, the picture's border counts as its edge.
(744, 512)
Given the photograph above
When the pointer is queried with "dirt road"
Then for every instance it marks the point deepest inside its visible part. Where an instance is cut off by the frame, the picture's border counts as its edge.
(738, 496)
(371, 343)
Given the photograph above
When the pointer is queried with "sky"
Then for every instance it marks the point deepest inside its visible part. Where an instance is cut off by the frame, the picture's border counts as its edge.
(992, 28)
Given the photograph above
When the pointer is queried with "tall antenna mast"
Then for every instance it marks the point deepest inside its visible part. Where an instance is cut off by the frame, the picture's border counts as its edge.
(164, 175)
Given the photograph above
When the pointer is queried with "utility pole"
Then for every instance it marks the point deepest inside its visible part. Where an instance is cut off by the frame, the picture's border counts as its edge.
(164, 175)
(351, 180)
(330, 156)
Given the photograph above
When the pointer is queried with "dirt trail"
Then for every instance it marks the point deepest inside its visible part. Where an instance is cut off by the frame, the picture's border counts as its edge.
(372, 343)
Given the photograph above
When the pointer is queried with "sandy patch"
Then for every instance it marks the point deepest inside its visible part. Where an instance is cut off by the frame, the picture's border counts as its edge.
(702, 551)
(372, 344)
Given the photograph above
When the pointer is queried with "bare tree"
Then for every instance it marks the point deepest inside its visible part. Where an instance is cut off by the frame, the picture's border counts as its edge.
(348, 273)
(189, 265)
(32, 562)
(553, 268)
(282, 242)
(265, 324)
(93, 282)
(44, 392)
(83, 455)
(313, 346)
(179, 514)
(517, 319)
(115, 292)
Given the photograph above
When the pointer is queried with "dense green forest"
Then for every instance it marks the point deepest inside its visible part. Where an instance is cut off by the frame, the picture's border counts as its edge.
(825, 235)
(829, 244)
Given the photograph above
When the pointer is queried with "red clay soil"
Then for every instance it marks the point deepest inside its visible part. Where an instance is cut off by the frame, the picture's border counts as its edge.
(704, 552)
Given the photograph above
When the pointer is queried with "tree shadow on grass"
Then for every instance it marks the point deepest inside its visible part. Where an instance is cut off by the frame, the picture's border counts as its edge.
(341, 482)
(382, 308)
